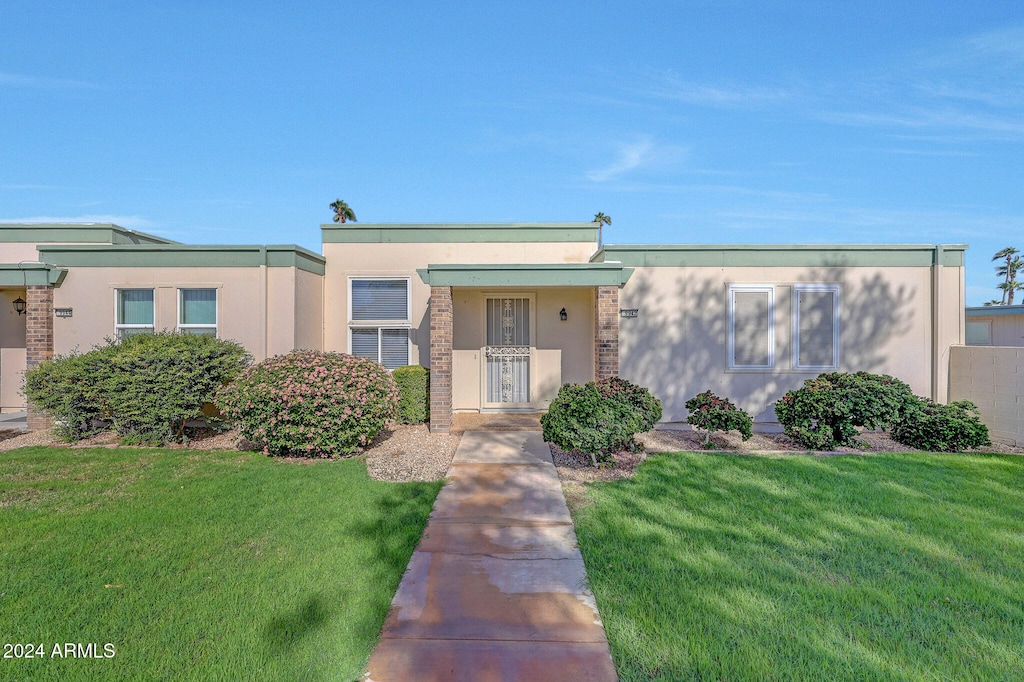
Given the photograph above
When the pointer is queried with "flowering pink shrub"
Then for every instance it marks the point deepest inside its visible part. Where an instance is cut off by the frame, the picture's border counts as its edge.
(310, 403)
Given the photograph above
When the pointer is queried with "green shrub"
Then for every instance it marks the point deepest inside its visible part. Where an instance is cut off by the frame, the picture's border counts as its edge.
(414, 394)
(944, 428)
(828, 409)
(311, 403)
(147, 386)
(600, 417)
(709, 413)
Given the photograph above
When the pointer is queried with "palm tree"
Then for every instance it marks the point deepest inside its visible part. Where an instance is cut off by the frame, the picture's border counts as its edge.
(601, 219)
(1009, 272)
(343, 212)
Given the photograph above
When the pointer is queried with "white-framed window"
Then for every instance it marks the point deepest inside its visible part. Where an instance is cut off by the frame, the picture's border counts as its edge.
(379, 319)
(133, 312)
(751, 333)
(816, 326)
(197, 311)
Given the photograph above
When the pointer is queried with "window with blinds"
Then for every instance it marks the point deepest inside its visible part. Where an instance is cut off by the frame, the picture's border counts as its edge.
(382, 301)
(816, 326)
(751, 337)
(134, 313)
(197, 311)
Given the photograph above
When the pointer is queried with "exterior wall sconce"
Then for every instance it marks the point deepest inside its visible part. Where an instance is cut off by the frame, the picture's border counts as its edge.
(563, 316)
(19, 306)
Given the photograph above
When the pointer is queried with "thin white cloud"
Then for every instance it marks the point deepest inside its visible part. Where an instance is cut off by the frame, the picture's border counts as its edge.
(631, 156)
(669, 86)
(22, 81)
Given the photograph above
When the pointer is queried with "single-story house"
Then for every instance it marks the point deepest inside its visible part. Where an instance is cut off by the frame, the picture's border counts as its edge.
(995, 325)
(502, 314)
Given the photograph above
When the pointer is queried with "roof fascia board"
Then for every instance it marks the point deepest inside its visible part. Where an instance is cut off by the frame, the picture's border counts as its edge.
(520, 275)
(783, 255)
(182, 255)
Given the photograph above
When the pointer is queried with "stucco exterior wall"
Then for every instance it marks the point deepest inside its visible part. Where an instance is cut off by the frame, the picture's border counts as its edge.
(992, 377)
(402, 260)
(244, 299)
(677, 344)
(309, 310)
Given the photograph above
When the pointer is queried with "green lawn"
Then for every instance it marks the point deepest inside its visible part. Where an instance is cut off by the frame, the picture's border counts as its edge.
(902, 567)
(199, 565)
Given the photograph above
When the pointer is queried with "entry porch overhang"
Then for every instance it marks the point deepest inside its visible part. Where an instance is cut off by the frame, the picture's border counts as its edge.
(526, 275)
(31, 274)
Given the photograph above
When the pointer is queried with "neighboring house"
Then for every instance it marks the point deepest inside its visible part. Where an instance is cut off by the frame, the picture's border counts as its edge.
(505, 314)
(996, 325)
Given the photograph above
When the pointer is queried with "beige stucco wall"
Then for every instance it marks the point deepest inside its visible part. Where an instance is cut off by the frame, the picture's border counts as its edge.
(677, 345)
(245, 296)
(992, 377)
(309, 310)
(565, 350)
(402, 260)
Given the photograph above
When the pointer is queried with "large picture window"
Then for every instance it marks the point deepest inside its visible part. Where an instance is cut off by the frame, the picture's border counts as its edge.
(379, 320)
(751, 335)
(816, 326)
(134, 313)
(197, 311)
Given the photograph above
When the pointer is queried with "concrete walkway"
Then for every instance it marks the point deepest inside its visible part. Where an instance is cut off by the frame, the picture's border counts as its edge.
(496, 589)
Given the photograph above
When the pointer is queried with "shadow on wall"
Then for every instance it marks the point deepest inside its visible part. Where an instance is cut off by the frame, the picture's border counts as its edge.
(677, 345)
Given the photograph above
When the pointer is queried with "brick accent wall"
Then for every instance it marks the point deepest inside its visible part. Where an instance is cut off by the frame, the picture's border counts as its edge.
(38, 340)
(441, 334)
(606, 333)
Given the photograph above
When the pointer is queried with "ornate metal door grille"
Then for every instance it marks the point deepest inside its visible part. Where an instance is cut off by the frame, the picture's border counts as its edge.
(507, 351)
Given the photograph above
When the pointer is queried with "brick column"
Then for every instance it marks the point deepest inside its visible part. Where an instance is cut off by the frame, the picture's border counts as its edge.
(38, 340)
(441, 333)
(606, 333)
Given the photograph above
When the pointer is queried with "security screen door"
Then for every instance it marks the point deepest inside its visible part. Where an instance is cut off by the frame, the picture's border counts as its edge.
(507, 352)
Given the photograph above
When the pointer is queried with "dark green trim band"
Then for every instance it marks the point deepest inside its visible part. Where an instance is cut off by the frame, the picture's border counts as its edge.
(465, 233)
(31, 274)
(994, 310)
(182, 256)
(62, 233)
(782, 255)
(519, 275)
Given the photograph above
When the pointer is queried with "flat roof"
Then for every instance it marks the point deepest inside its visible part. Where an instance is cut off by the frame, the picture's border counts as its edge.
(993, 310)
(91, 233)
(337, 233)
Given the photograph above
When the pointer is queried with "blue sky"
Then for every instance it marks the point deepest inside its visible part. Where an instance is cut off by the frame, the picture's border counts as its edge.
(686, 122)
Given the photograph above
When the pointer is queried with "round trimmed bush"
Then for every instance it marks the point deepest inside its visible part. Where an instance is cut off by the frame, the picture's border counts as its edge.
(311, 404)
(600, 417)
(943, 428)
(708, 413)
(828, 410)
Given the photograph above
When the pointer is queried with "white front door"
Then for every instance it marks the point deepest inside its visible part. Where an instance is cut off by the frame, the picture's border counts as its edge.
(507, 353)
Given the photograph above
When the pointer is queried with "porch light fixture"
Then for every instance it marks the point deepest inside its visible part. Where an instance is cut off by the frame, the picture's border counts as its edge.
(562, 315)
(19, 305)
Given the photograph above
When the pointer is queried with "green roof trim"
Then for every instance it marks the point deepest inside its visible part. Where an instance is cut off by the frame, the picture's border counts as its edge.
(523, 275)
(182, 256)
(31, 274)
(390, 233)
(62, 233)
(783, 255)
(994, 310)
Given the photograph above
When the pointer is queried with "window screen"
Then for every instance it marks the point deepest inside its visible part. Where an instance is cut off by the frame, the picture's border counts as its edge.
(816, 326)
(751, 330)
(134, 312)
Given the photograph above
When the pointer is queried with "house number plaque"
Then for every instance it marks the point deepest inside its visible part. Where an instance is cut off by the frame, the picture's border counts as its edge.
(628, 312)
(62, 312)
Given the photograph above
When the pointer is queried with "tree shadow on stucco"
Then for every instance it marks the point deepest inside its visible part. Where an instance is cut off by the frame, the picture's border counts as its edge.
(680, 350)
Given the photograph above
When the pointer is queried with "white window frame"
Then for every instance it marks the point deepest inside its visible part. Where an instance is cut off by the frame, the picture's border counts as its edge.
(119, 327)
(836, 325)
(215, 326)
(731, 326)
(382, 325)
